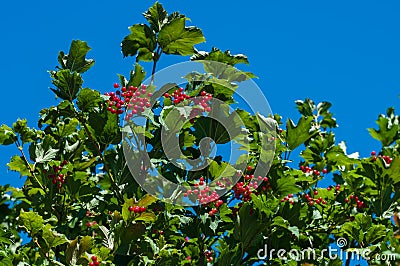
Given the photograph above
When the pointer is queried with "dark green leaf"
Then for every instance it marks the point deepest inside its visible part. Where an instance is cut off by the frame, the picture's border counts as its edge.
(76, 60)
(387, 132)
(68, 84)
(219, 56)
(175, 38)
(7, 136)
(88, 99)
(156, 16)
(141, 41)
(296, 135)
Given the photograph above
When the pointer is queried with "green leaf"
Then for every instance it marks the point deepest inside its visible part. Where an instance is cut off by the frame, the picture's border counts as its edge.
(374, 233)
(220, 170)
(387, 132)
(156, 16)
(137, 76)
(31, 221)
(68, 84)
(247, 226)
(52, 238)
(146, 217)
(44, 151)
(141, 41)
(7, 136)
(279, 221)
(296, 135)
(394, 170)
(175, 38)
(26, 134)
(88, 99)
(224, 211)
(287, 185)
(219, 56)
(76, 60)
(147, 200)
(106, 127)
(17, 164)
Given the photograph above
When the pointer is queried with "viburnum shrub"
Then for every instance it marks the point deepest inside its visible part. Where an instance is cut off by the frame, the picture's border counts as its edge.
(81, 205)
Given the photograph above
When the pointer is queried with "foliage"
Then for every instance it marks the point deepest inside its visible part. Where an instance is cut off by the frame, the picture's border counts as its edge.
(80, 200)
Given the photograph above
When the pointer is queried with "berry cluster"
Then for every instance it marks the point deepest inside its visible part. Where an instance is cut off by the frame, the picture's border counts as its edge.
(177, 96)
(244, 190)
(160, 232)
(90, 224)
(360, 204)
(312, 200)
(137, 209)
(57, 178)
(307, 169)
(94, 261)
(133, 98)
(288, 198)
(208, 255)
(387, 159)
(337, 188)
(205, 196)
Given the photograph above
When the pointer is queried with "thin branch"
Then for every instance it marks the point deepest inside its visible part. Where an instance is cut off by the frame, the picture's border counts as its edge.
(31, 170)
(105, 165)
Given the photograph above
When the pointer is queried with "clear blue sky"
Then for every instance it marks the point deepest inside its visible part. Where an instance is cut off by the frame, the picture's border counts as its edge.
(345, 52)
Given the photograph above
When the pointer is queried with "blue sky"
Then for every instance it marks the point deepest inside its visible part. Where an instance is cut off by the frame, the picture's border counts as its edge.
(345, 52)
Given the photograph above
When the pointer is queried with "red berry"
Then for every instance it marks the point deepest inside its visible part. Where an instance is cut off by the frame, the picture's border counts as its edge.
(96, 263)
(136, 209)
(91, 263)
(315, 192)
(130, 208)
(373, 153)
(94, 258)
(324, 170)
(116, 85)
(161, 232)
(249, 168)
(142, 209)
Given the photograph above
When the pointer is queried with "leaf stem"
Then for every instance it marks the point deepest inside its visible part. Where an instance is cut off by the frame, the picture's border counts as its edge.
(156, 57)
(31, 170)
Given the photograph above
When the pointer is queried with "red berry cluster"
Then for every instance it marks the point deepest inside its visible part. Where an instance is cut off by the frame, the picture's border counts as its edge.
(312, 200)
(288, 198)
(90, 224)
(337, 188)
(57, 178)
(205, 196)
(245, 189)
(159, 232)
(208, 255)
(387, 159)
(360, 204)
(94, 261)
(137, 209)
(307, 169)
(133, 98)
(177, 96)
